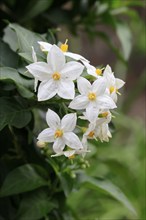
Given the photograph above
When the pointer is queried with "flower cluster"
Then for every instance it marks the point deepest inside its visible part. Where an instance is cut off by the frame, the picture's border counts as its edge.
(58, 76)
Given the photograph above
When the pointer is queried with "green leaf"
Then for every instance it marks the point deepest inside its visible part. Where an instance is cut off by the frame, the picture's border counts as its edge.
(8, 58)
(23, 85)
(13, 114)
(10, 38)
(107, 187)
(125, 38)
(27, 39)
(35, 205)
(22, 179)
(36, 7)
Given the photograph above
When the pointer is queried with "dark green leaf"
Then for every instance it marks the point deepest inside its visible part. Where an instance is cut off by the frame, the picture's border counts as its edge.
(107, 187)
(12, 113)
(36, 7)
(8, 57)
(23, 85)
(34, 205)
(22, 179)
(27, 39)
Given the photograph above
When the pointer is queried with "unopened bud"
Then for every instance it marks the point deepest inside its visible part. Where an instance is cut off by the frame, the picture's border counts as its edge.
(41, 144)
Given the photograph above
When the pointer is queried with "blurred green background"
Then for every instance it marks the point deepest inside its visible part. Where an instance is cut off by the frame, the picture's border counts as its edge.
(105, 32)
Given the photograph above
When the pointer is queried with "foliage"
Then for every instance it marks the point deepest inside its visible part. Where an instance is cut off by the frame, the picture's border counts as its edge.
(34, 185)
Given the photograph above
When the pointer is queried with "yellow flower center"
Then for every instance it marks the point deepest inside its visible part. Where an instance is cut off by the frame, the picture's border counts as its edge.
(56, 76)
(98, 72)
(103, 115)
(58, 133)
(112, 89)
(91, 96)
(64, 47)
(91, 134)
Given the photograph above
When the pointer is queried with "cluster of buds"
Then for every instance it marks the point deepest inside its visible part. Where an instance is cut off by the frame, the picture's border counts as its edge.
(91, 101)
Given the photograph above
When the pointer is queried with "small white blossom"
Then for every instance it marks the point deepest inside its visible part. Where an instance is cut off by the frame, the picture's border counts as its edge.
(113, 84)
(92, 96)
(46, 47)
(98, 129)
(56, 75)
(91, 70)
(60, 132)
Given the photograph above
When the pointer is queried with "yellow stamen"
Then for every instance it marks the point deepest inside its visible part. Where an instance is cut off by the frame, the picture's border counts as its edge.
(98, 71)
(71, 157)
(58, 133)
(91, 96)
(64, 47)
(103, 115)
(112, 89)
(56, 76)
(91, 134)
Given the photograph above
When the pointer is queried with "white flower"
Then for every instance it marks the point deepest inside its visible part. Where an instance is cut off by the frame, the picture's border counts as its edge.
(64, 47)
(99, 129)
(56, 76)
(113, 84)
(92, 96)
(91, 70)
(71, 153)
(60, 132)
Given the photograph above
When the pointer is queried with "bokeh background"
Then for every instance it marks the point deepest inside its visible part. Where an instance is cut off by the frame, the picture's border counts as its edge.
(105, 32)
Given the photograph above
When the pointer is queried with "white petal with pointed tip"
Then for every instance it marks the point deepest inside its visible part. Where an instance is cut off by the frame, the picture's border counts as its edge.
(47, 135)
(79, 102)
(72, 140)
(52, 119)
(45, 46)
(40, 70)
(105, 102)
(58, 145)
(99, 86)
(68, 122)
(119, 83)
(76, 56)
(66, 89)
(83, 86)
(47, 90)
(56, 59)
(72, 70)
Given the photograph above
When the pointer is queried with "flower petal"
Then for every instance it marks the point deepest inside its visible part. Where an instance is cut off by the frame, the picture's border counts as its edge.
(72, 140)
(114, 96)
(69, 153)
(99, 86)
(72, 70)
(105, 102)
(47, 90)
(66, 89)
(47, 135)
(76, 56)
(79, 102)
(83, 85)
(68, 122)
(58, 145)
(34, 57)
(52, 119)
(119, 83)
(40, 70)
(45, 46)
(56, 59)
